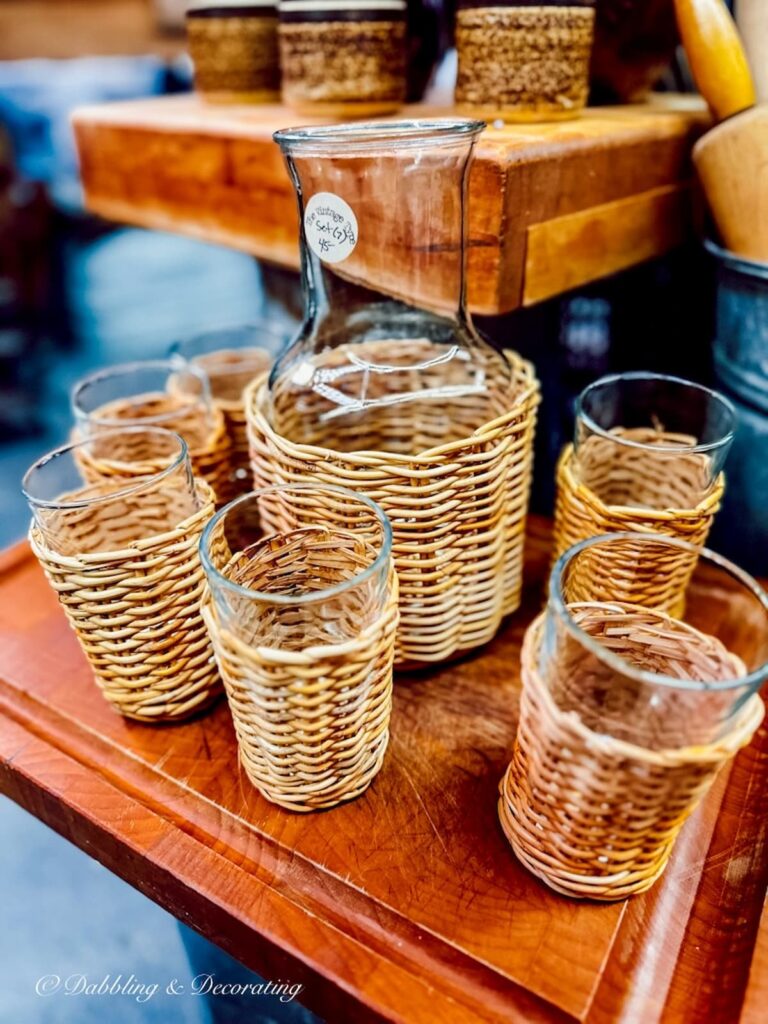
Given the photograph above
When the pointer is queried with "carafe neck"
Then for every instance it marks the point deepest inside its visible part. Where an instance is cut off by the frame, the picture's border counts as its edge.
(382, 219)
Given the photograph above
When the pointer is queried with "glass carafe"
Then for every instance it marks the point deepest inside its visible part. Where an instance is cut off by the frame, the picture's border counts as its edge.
(387, 358)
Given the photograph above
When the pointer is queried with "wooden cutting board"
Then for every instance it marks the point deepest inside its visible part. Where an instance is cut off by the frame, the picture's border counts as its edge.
(407, 904)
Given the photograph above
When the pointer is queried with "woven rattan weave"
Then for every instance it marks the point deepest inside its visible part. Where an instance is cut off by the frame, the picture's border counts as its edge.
(311, 717)
(616, 489)
(210, 449)
(457, 510)
(227, 395)
(135, 607)
(594, 816)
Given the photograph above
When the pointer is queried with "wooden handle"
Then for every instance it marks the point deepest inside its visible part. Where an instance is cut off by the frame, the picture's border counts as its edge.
(752, 20)
(716, 56)
(730, 160)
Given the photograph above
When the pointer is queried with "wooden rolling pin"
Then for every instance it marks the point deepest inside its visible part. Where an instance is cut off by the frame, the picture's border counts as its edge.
(715, 53)
(732, 158)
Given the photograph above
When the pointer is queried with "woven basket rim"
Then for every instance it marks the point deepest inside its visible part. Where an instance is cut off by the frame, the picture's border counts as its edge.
(709, 503)
(525, 388)
(180, 534)
(747, 721)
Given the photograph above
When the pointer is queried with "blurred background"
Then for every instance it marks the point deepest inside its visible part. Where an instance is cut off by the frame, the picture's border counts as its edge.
(77, 293)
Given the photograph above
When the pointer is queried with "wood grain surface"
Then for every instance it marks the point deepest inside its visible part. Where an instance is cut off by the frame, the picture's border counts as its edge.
(552, 206)
(407, 904)
(66, 29)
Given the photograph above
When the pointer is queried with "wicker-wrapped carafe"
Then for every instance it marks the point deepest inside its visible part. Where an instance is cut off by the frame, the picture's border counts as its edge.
(388, 389)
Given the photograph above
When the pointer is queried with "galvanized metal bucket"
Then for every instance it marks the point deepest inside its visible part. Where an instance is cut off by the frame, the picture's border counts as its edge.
(741, 331)
(740, 352)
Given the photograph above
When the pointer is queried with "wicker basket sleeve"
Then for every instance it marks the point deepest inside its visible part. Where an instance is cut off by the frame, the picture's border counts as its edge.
(312, 725)
(580, 514)
(457, 511)
(210, 450)
(596, 817)
(136, 612)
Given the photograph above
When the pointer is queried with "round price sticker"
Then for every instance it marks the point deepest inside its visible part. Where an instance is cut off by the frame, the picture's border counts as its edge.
(330, 226)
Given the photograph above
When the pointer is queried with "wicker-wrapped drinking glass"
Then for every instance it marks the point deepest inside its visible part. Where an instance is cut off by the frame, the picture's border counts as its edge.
(648, 454)
(627, 714)
(231, 357)
(167, 393)
(302, 612)
(121, 554)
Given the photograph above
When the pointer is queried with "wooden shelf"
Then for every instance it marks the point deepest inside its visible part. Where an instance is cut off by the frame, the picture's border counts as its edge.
(406, 904)
(552, 206)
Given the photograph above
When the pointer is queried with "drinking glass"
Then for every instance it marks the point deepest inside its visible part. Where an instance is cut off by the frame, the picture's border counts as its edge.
(148, 493)
(121, 553)
(167, 393)
(627, 714)
(650, 441)
(231, 357)
(302, 613)
(647, 456)
(638, 674)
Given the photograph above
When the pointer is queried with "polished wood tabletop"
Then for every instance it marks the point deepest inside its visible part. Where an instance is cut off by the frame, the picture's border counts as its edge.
(406, 904)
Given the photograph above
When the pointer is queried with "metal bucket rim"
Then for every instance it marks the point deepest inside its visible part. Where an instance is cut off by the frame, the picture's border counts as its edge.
(741, 264)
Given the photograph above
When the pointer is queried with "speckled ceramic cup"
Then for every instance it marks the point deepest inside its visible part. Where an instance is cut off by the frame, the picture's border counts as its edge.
(526, 61)
(343, 58)
(233, 44)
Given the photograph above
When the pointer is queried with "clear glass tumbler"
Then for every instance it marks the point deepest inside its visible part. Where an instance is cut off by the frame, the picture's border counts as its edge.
(627, 715)
(649, 441)
(121, 553)
(231, 358)
(76, 514)
(166, 393)
(637, 674)
(337, 546)
(302, 614)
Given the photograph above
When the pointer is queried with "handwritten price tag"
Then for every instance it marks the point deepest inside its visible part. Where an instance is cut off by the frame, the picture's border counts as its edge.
(330, 226)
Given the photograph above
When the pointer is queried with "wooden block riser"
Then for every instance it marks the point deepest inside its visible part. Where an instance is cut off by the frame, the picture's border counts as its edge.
(213, 173)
